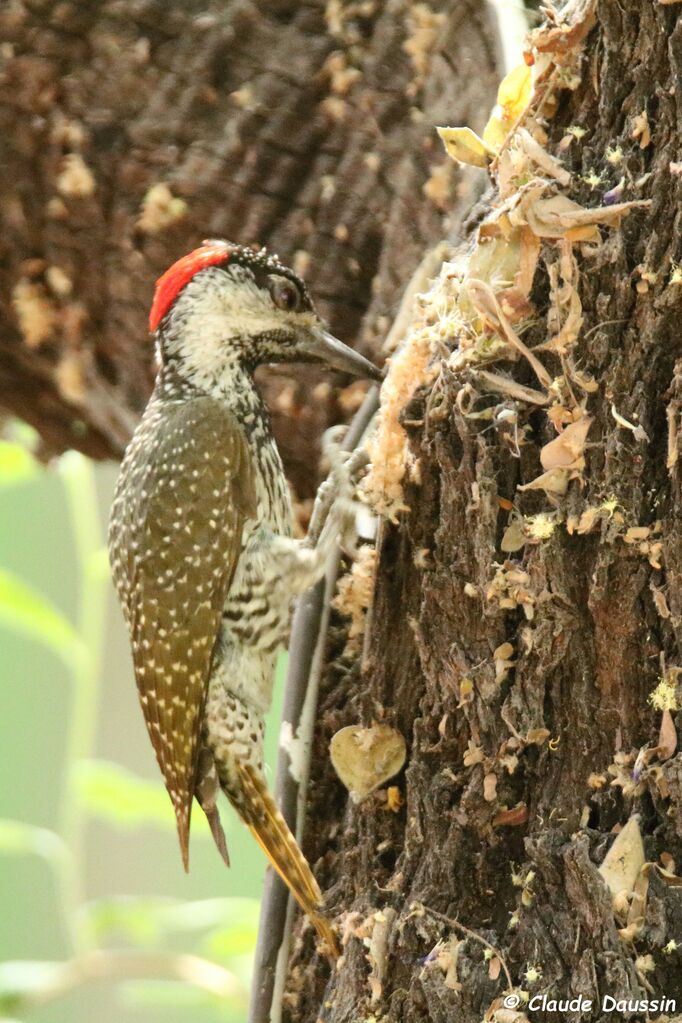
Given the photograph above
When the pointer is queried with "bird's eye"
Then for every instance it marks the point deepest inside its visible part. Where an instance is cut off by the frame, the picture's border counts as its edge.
(285, 294)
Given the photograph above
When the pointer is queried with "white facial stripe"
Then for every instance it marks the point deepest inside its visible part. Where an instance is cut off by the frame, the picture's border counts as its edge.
(215, 308)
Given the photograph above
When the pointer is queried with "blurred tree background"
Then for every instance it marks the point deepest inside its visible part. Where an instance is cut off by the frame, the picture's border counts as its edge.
(89, 855)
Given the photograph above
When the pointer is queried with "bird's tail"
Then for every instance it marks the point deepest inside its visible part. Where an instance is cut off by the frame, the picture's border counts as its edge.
(260, 812)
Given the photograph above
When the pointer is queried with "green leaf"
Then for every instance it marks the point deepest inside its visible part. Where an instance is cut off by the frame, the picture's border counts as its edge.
(201, 914)
(17, 464)
(22, 978)
(233, 922)
(98, 566)
(123, 799)
(18, 838)
(131, 917)
(174, 995)
(30, 614)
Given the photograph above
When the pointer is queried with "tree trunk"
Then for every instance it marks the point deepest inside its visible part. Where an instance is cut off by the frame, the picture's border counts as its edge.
(133, 129)
(515, 636)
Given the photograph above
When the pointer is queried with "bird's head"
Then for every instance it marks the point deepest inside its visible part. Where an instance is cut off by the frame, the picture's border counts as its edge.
(224, 307)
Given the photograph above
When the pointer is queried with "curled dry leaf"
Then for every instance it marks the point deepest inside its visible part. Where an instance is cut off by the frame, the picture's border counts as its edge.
(506, 259)
(566, 450)
(547, 163)
(554, 482)
(558, 216)
(630, 933)
(667, 876)
(364, 758)
(637, 909)
(447, 961)
(565, 317)
(512, 818)
(504, 651)
(667, 862)
(566, 36)
(497, 1013)
(488, 306)
(641, 130)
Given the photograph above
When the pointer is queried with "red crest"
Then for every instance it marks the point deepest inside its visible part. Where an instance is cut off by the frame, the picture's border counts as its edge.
(179, 274)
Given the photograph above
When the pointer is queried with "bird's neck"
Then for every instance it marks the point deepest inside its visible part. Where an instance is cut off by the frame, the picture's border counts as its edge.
(236, 390)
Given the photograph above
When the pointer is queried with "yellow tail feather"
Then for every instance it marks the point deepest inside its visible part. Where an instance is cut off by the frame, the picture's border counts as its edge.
(261, 814)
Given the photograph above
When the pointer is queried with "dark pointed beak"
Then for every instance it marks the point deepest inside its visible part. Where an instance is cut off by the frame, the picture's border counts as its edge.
(326, 348)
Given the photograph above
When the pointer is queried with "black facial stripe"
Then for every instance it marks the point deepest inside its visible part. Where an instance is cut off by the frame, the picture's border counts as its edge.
(262, 266)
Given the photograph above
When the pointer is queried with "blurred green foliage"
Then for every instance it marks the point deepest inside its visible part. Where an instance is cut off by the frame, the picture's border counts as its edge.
(166, 957)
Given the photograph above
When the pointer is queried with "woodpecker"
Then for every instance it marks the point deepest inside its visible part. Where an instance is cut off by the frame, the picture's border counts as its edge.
(200, 538)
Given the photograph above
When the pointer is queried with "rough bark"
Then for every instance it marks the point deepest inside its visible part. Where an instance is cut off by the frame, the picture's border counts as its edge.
(215, 101)
(605, 627)
(306, 127)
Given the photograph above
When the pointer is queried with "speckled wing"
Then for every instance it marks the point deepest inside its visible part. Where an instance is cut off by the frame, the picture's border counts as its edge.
(185, 490)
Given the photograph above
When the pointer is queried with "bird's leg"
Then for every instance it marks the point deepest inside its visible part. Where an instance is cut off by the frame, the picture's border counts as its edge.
(335, 502)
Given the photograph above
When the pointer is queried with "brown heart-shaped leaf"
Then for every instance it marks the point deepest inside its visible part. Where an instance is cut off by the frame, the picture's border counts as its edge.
(364, 758)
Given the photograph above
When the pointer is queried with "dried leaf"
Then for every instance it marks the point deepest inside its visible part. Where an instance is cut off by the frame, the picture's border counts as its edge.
(447, 960)
(558, 215)
(538, 736)
(473, 755)
(667, 736)
(464, 146)
(672, 880)
(625, 859)
(564, 37)
(637, 907)
(486, 303)
(638, 431)
(494, 968)
(513, 96)
(566, 450)
(504, 651)
(513, 538)
(512, 818)
(547, 163)
(364, 758)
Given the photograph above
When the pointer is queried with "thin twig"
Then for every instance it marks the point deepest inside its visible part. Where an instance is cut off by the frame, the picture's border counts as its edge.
(305, 649)
(457, 926)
